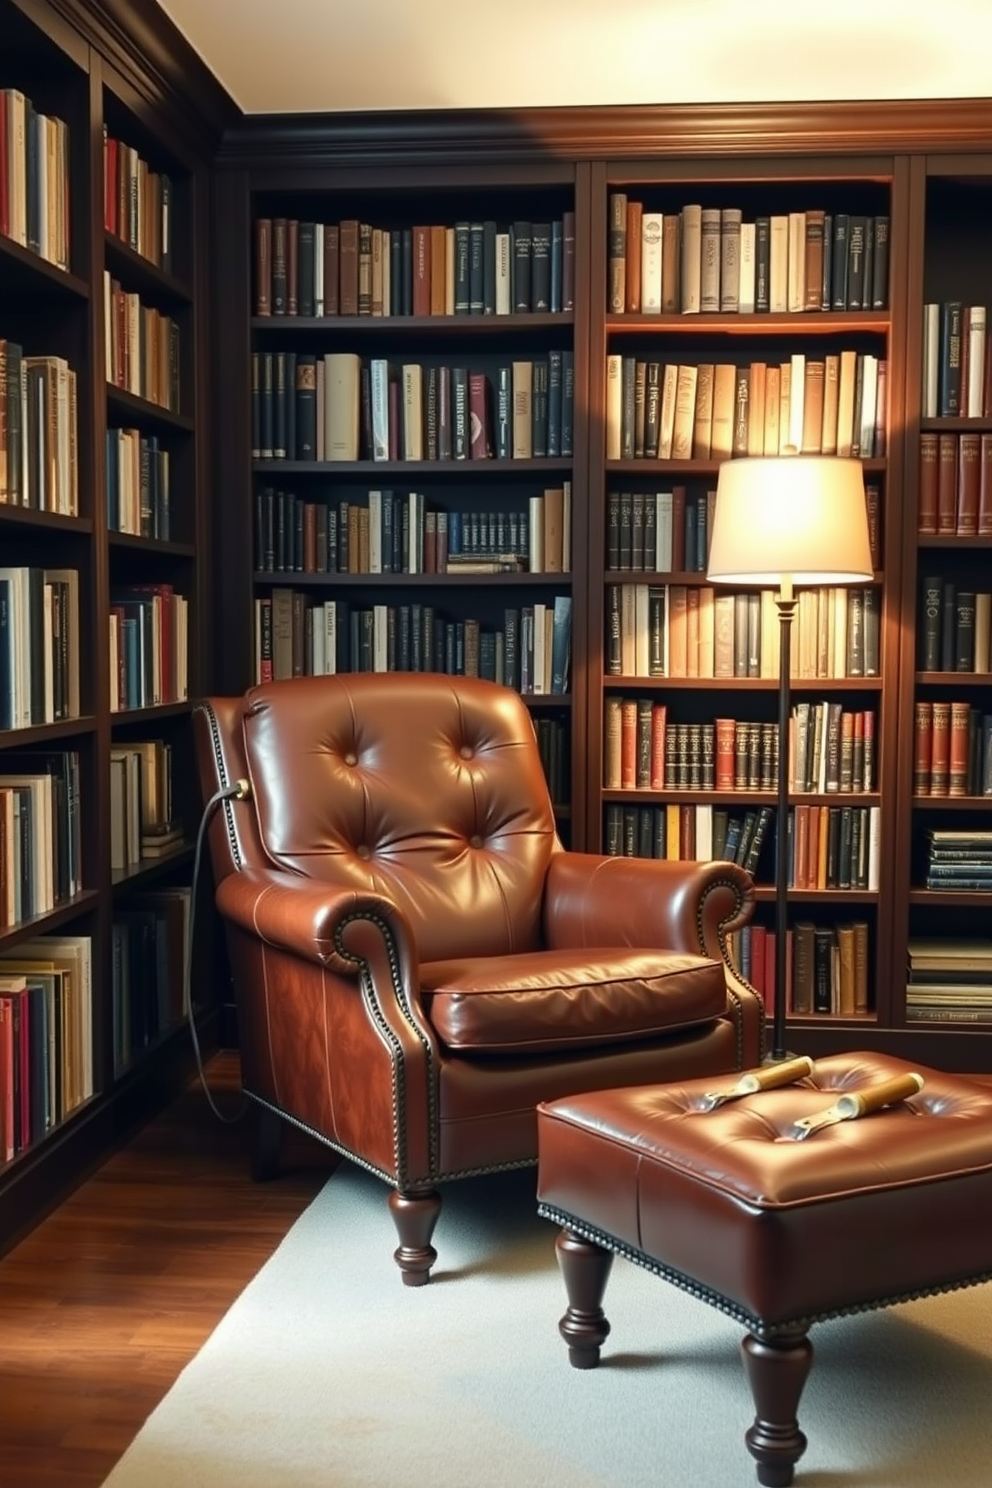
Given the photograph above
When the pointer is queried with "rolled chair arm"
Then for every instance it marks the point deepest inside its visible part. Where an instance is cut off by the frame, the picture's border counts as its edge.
(339, 929)
(681, 906)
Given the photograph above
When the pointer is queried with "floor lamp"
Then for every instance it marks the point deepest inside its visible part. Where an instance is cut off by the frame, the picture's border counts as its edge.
(795, 519)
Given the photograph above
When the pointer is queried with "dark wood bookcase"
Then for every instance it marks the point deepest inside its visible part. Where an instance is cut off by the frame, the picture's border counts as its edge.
(911, 164)
(117, 69)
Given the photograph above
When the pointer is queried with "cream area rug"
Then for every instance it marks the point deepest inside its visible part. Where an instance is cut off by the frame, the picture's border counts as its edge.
(328, 1373)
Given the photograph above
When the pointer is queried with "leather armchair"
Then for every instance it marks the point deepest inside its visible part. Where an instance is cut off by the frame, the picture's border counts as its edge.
(417, 960)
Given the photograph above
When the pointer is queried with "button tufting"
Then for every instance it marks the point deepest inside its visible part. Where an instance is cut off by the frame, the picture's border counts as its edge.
(466, 751)
(475, 840)
(351, 759)
(363, 851)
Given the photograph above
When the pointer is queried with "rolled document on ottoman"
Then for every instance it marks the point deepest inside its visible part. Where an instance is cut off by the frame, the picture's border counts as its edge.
(768, 1077)
(860, 1103)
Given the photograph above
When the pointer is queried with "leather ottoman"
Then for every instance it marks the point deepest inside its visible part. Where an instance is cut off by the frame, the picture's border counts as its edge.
(728, 1202)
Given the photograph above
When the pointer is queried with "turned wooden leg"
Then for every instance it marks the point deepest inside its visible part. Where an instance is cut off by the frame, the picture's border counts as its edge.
(266, 1141)
(415, 1215)
(776, 1369)
(585, 1268)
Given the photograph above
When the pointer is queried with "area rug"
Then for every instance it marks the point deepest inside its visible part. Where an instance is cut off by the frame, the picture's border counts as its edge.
(328, 1373)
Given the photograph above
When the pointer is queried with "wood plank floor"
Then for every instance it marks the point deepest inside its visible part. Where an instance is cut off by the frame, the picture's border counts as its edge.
(106, 1301)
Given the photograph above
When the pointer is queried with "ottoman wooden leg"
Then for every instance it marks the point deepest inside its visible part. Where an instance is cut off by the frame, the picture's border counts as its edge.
(776, 1369)
(585, 1268)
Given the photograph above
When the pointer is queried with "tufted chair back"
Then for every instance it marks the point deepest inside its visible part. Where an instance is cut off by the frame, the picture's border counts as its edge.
(417, 960)
(428, 794)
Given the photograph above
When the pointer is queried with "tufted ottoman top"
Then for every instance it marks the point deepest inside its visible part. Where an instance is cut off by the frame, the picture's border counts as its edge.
(779, 1230)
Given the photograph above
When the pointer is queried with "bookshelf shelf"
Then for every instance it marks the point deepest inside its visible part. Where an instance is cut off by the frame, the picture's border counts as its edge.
(24, 272)
(128, 542)
(124, 405)
(304, 580)
(819, 323)
(415, 470)
(418, 326)
(143, 275)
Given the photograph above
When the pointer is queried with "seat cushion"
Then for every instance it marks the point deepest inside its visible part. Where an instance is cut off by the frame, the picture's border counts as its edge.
(568, 999)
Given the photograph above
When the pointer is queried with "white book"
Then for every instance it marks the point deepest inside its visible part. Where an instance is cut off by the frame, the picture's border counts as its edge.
(379, 387)
(869, 398)
(745, 295)
(318, 268)
(380, 638)
(330, 637)
(342, 400)
(975, 391)
(614, 405)
(691, 256)
(542, 636)
(797, 403)
(874, 836)
(503, 262)
(983, 631)
(642, 631)
(666, 415)
(413, 412)
(535, 534)
(796, 290)
(778, 264)
(931, 359)
(651, 230)
(704, 832)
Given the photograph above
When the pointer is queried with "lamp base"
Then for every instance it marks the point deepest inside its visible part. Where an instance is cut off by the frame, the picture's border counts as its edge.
(771, 1058)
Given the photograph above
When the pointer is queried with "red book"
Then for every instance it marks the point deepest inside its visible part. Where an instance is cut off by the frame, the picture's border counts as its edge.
(421, 271)
(7, 1151)
(922, 747)
(348, 267)
(940, 750)
(478, 418)
(958, 750)
(628, 744)
(985, 485)
(947, 484)
(659, 715)
(263, 266)
(331, 268)
(926, 521)
(726, 749)
(110, 149)
(678, 529)
(969, 481)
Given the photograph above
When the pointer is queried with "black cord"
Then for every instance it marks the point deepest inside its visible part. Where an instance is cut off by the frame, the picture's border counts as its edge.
(239, 791)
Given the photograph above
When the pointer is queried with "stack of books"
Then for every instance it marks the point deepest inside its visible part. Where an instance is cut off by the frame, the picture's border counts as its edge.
(949, 981)
(959, 861)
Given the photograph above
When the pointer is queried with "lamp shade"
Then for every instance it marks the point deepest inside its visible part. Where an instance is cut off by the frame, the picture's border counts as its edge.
(802, 517)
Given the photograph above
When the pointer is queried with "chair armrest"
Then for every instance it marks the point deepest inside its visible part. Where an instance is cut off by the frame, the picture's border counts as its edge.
(680, 906)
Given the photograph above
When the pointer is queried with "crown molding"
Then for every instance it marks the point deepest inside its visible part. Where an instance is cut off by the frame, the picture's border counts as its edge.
(264, 141)
(139, 41)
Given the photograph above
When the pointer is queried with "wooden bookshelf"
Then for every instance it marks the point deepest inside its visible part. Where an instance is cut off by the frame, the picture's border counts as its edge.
(88, 67)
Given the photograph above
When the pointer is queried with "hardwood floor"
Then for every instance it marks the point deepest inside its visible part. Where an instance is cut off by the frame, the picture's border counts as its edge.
(103, 1304)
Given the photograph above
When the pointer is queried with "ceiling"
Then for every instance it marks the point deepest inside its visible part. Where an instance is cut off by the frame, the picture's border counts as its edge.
(303, 56)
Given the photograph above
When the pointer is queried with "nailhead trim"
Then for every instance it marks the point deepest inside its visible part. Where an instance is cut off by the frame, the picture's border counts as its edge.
(733, 1309)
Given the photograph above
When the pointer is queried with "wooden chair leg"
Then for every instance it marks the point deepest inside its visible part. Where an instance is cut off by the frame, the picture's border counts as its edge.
(776, 1369)
(585, 1269)
(415, 1215)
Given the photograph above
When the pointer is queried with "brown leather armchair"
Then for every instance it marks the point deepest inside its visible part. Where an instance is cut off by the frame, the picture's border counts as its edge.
(417, 961)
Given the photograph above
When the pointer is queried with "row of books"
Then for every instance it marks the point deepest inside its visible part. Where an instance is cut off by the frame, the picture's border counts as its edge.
(553, 747)
(949, 980)
(142, 824)
(955, 497)
(690, 630)
(46, 1037)
(34, 180)
(138, 495)
(141, 347)
(952, 749)
(340, 406)
(955, 627)
(39, 646)
(669, 531)
(830, 749)
(957, 378)
(137, 202)
(39, 459)
(398, 532)
(149, 642)
(530, 651)
(826, 966)
(149, 954)
(40, 833)
(708, 260)
(463, 268)
(959, 860)
(828, 847)
(830, 405)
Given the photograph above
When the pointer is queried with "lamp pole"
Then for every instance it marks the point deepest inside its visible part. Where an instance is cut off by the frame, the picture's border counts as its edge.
(786, 604)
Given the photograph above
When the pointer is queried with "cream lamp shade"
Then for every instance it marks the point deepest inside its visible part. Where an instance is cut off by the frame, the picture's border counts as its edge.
(799, 517)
